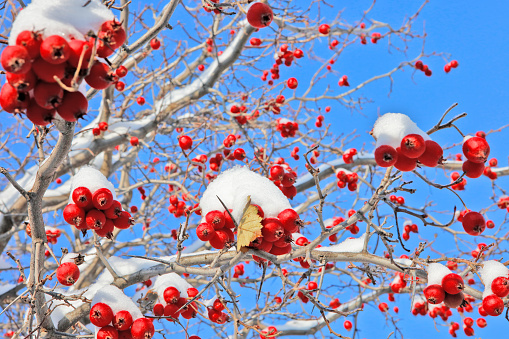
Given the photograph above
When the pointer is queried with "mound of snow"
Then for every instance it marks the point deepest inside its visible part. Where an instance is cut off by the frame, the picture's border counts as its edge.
(350, 245)
(233, 186)
(491, 270)
(92, 179)
(391, 128)
(117, 300)
(436, 272)
(67, 18)
(171, 279)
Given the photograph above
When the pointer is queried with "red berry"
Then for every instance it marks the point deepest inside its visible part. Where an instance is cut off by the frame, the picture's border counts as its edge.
(68, 273)
(434, 294)
(185, 142)
(432, 155)
(413, 146)
(119, 86)
(454, 63)
(473, 223)
(481, 322)
(15, 59)
(140, 101)
(500, 287)
(47, 72)
(292, 83)
(101, 314)
(218, 305)
(324, 29)
(221, 238)
(259, 15)
(205, 231)
(272, 229)
(74, 215)
(13, 101)
(31, 41)
(121, 71)
(55, 49)
(239, 154)
(404, 163)
(134, 141)
(122, 320)
(142, 328)
(24, 82)
(101, 76)
(171, 295)
(268, 333)
(216, 219)
(82, 197)
(107, 332)
(386, 156)
(48, 96)
(453, 300)
(102, 199)
(155, 43)
(493, 305)
(124, 220)
(473, 169)
(347, 325)
(74, 106)
(476, 149)
(290, 220)
(452, 283)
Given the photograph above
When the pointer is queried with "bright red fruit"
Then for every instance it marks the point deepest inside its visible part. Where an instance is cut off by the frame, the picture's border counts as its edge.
(31, 41)
(476, 149)
(55, 49)
(48, 96)
(102, 198)
(324, 29)
(46, 71)
(101, 76)
(347, 325)
(74, 215)
(432, 155)
(473, 169)
(185, 142)
(290, 220)
(101, 314)
(107, 332)
(493, 305)
(434, 294)
(24, 82)
(155, 44)
(13, 101)
(73, 107)
(122, 320)
(216, 218)
(68, 273)
(95, 219)
(500, 287)
(259, 15)
(142, 328)
(77, 48)
(15, 59)
(272, 229)
(205, 231)
(473, 223)
(292, 83)
(386, 156)
(413, 146)
(452, 283)
(171, 295)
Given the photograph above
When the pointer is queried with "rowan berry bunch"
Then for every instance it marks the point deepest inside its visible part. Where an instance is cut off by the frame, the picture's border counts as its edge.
(120, 324)
(44, 72)
(175, 303)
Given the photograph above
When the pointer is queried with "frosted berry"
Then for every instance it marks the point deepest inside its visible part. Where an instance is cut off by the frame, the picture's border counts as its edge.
(171, 295)
(68, 273)
(259, 15)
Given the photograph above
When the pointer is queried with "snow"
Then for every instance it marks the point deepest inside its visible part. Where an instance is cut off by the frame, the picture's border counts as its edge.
(436, 272)
(91, 178)
(67, 18)
(6, 288)
(9, 195)
(117, 300)
(492, 269)
(234, 185)
(390, 128)
(403, 261)
(350, 245)
(171, 279)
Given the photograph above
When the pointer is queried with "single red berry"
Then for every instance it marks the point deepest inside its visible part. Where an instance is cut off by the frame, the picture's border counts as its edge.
(74, 215)
(218, 305)
(473, 223)
(185, 142)
(324, 29)
(452, 283)
(122, 320)
(481, 322)
(259, 15)
(171, 295)
(142, 328)
(107, 332)
(76, 49)
(74, 106)
(453, 300)
(433, 154)
(386, 156)
(434, 294)
(124, 221)
(272, 229)
(473, 169)
(82, 197)
(68, 273)
(493, 305)
(290, 220)
(476, 149)
(55, 49)
(102, 198)
(155, 43)
(347, 325)
(32, 41)
(292, 83)
(95, 219)
(22, 82)
(140, 101)
(413, 146)
(15, 59)
(216, 219)
(121, 71)
(454, 63)
(500, 286)
(119, 86)
(101, 76)
(48, 96)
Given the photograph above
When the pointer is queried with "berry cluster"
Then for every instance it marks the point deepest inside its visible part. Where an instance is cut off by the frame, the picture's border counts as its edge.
(409, 227)
(460, 186)
(39, 68)
(343, 81)
(119, 325)
(102, 127)
(448, 66)
(286, 127)
(312, 286)
(422, 67)
(177, 207)
(448, 291)
(269, 332)
(488, 169)
(97, 211)
(284, 180)
(216, 314)
(52, 234)
(174, 301)
(348, 155)
(276, 232)
(238, 270)
(493, 304)
(349, 179)
(413, 148)
(476, 150)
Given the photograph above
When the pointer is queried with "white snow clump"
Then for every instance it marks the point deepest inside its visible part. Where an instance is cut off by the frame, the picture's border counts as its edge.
(391, 128)
(350, 245)
(491, 270)
(67, 18)
(92, 179)
(234, 185)
(436, 272)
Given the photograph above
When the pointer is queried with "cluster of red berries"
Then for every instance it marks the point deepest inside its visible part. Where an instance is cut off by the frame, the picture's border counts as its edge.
(397, 200)
(468, 322)
(216, 314)
(101, 127)
(343, 81)
(349, 154)
(241, 118)
(409, 228)
(488, 169)
(460, 186)
(274, 105)
(284, 180)
(97, 211)
(268, 333)
(481, 248)
(449, 291)
(413, 148)
(238, 270)
(35, 63)
(276, 232)
(319, 121)
(174, 302)
(493, 304)
(312, 286)
(422, 67)
(177, 207)
(349, 180)
(399, 281)
(448, 66)
(286, 127)
(476, 150)
(283, 56)
(52, 234)
(119, 325)
(68, 273)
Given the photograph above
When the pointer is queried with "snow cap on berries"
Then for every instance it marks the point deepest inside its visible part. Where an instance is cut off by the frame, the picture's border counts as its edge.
(391, 128)
(92, 179)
